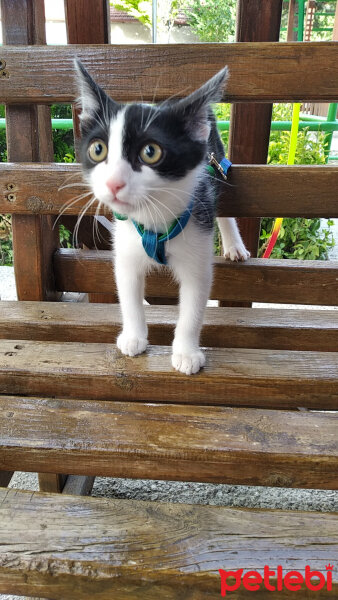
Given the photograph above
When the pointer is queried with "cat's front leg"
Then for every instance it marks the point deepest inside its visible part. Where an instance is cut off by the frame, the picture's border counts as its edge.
(130, 285)
(233, 245)
(195, 282)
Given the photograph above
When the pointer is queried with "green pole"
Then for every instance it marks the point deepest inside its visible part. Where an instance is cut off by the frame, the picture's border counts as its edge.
(301, 13)
(331, 116)
(308, 121)
(327, 126)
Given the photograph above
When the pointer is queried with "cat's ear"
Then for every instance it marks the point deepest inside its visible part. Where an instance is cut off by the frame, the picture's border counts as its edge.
(196, 106)
(92, 99)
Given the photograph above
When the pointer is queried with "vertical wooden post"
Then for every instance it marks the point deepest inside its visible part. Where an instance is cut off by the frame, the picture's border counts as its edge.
(5, 477)
(257, 21)
(88, 26)
(29, 139)
(291, 34)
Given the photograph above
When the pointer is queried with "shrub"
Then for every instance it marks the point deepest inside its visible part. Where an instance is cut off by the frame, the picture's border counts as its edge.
(212, 20)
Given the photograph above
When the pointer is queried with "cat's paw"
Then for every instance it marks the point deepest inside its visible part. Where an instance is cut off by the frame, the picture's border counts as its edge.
(131, 345)
(237, 252)
(188, 363)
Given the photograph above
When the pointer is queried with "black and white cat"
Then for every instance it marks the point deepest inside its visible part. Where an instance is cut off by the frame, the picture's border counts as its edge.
(149, 164)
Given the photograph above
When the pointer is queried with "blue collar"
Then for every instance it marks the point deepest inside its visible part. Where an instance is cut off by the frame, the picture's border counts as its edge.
(153, 242)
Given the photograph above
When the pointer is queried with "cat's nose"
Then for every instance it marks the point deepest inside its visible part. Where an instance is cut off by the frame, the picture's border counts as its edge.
(115, 185)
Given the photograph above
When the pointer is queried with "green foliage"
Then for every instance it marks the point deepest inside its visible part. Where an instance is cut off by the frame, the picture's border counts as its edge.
(6, 249)
(63, 140)
(310, 145)
(298, 238)
(222, 113)
(65, 237)
(140, 10)
(212, 20)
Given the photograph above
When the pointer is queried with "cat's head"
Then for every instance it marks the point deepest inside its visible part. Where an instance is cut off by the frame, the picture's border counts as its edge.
(137, 156)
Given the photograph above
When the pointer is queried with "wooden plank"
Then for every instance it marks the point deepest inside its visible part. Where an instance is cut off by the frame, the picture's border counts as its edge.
(258, 280)
(250, 123)
(232, 376)
(287, 329)
(257, 190)
(121, 549)
(262, 71)
(207, 444)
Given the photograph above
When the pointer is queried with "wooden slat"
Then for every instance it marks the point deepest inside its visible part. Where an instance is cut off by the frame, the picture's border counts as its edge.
(145, 550)
(211, 444)
(257, 190)
(264, 72)
(287, 329)
(235, 376)
(259, 280)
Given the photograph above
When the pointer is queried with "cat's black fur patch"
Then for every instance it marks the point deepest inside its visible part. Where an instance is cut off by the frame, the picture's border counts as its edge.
(167, 129)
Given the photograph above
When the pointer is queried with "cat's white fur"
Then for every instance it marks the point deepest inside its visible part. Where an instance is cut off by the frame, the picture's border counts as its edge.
(189, 254)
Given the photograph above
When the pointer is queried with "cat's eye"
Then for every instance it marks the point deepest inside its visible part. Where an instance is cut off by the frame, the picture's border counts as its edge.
(98, 151)
(151, 154)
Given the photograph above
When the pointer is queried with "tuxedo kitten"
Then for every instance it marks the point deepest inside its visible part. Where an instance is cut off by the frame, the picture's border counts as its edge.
(148, 164)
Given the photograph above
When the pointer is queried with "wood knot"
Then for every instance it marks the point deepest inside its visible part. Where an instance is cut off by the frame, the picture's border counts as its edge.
(37, 205)
(278, 480)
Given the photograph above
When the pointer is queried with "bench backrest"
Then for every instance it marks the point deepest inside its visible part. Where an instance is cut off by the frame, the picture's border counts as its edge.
(35, 76)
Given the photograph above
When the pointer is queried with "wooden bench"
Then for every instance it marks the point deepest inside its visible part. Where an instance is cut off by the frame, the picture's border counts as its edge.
(70, 403)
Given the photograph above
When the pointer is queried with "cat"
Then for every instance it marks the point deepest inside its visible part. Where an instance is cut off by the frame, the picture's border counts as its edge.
(148, 164)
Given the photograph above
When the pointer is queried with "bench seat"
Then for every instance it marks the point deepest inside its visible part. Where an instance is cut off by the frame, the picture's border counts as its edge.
(60, 546)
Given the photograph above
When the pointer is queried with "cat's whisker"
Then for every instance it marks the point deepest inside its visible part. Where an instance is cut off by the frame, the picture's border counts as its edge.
(167, 208)
(156, 208)
(76, 184)
(156, 200)
(151, 117)
(69, 204)
(79, 219)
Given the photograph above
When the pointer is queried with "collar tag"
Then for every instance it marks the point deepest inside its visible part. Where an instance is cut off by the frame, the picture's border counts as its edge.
(223, 167)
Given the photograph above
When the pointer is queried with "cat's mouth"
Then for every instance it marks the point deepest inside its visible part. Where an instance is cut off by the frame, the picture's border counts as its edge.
(120, 203)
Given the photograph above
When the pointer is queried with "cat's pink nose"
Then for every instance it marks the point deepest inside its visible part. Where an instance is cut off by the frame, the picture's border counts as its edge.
(115, 185)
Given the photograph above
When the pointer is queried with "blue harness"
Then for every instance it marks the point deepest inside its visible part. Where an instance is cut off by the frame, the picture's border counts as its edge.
(153, 242)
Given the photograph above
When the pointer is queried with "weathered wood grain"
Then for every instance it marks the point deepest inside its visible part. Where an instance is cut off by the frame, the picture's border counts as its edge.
(258, 280)
(173, 442)
(287, 329)
(122, 549)
(264, 72)
(232, 376)
(256, 190)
